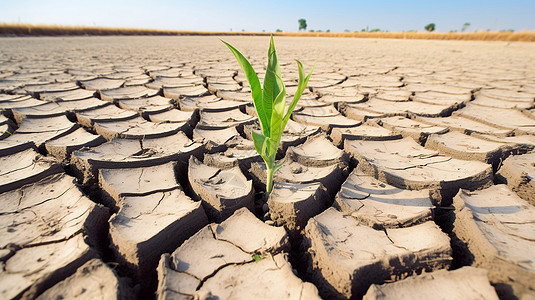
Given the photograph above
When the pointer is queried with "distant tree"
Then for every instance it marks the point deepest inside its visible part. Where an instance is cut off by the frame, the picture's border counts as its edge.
(311, 30)
(346, 30)
(328, 30)
(302, 24)
(465, 25)
(453, 30)
(430, 27)
(375, 30)
(278, 30)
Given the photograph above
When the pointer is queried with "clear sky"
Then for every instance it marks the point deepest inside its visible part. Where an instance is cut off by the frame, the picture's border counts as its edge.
(269, 15)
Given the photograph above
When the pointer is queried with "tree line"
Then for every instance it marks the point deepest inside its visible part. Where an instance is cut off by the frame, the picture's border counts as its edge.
(429, 27)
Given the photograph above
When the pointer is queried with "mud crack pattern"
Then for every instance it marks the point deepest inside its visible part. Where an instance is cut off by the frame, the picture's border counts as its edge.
(128, 170)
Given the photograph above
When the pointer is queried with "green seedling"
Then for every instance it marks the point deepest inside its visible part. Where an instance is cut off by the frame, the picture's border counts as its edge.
(270, 103)
(257, 257)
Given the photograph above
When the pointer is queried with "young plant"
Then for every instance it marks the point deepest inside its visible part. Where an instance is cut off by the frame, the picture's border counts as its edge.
(270, 102)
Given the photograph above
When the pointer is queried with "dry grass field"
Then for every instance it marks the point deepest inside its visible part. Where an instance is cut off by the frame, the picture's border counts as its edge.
(52, 30)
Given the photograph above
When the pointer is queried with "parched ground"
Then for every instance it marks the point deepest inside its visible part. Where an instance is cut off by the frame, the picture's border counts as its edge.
(127, 170)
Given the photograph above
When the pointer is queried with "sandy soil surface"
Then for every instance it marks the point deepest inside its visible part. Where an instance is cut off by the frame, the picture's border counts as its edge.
(130, 160)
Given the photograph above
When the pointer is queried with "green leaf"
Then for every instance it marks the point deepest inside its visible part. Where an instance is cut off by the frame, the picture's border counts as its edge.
(277, 166)
(277, 127)
(256, 90)
(303, 81)
(272, 87)
(261, 144)
(257, 257)
(270, 103)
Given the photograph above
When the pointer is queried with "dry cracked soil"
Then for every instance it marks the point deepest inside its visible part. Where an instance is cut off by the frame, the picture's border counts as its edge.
(127, 171)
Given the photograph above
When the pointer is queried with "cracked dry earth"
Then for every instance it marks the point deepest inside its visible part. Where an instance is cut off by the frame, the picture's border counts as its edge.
(128, 171)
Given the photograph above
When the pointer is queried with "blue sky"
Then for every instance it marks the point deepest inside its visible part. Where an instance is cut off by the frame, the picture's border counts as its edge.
(221, 15)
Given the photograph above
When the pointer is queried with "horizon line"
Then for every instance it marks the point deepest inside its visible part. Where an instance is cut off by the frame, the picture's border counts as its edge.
(27, 29)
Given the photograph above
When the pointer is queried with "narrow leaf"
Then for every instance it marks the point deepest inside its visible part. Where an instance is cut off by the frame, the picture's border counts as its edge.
(277, 166)
(261, 145)
(256, 90)
(303, 81)
(272, 87)
(277, 127)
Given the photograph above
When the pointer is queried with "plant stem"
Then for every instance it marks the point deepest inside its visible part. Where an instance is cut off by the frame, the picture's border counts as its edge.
(269, 184)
